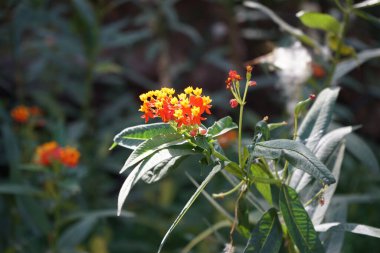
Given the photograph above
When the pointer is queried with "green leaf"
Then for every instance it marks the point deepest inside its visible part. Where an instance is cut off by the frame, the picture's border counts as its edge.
(145, 166)
(328, 144)
(212, 173)
(76, 233)
(297, 220)
(17, 189)
(221, 126)
(349, 227)
(297, 154)
(150, 146)
(320, 21)
(267, 235)
(318, 212)
(161, 169)
(264, 189)
(316, 121)
(131, 137)
(366, 4)
(361, 151)
(335, 44)
(346, 66)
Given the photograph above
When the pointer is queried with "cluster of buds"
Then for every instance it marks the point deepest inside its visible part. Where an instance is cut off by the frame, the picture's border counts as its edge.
(51, 153)
(185, 109)
(233, 84)
(22, 114)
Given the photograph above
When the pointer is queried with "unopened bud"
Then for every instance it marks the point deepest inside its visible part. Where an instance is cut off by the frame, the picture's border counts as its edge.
(233, 103)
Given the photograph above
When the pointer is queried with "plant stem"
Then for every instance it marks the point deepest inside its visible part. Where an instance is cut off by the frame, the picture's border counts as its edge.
(342, 32)
(223, 194)
(240, 124)
(321, 191)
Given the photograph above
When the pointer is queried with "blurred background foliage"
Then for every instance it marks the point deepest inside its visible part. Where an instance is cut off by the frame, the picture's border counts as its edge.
(84, 63)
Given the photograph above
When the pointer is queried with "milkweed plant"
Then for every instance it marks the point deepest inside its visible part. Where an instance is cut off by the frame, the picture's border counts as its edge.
(289, 181)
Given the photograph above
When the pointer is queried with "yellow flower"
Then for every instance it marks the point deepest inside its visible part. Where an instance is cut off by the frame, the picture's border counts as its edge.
(174, 101)
(182, 96)
(206, 100)
(195, 110)
(189, 90)
(197, 91)
(178, 114)
(143, 97)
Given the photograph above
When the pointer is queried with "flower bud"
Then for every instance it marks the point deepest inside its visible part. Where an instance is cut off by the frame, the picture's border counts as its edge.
(233, 103)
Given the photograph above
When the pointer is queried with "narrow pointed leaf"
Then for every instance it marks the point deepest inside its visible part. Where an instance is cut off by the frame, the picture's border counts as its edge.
(299, 225)
(318, 212)
(131, 137)
(161, 169)
(346, 66)
(360, 149)
(213, 172)
(150, 146)
(367, 3)
(76, 233)
(221, 126)
(324, 151)
(349, 227)
(316, 121)
(145, 166)
(267, 235)
(297, 154)
(264, 189)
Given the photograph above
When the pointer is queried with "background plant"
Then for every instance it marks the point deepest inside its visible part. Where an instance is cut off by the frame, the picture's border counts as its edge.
(84, 63)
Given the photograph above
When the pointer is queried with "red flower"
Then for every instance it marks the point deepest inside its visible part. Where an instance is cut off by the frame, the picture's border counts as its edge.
(233, 103)
(48, 153)
(312, 96)
(233, 76)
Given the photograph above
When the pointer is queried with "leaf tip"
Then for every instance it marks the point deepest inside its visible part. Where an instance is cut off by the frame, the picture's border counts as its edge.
(112, 146)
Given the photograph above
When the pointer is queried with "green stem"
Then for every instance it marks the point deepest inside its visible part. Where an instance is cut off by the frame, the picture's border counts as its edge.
(264, 180)
(223, 194)
(321, 191)
(342, 32)
(205, 234)
(240, 124)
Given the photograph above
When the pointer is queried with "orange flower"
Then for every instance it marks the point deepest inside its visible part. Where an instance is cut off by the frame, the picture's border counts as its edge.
(20, 114)
(69, 156)
(184, 109)
(249, 68)
(48, 153)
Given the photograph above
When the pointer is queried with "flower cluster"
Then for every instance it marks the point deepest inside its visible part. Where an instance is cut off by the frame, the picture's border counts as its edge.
(50, 153)
(233, 84)
(185, 109)
(22, 113)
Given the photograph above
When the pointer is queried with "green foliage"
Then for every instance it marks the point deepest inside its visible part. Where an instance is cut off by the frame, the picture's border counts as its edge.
(221, 126)
(267, 235)
(132, 137)
(321, 21)
(299, 225)
(297, 155)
